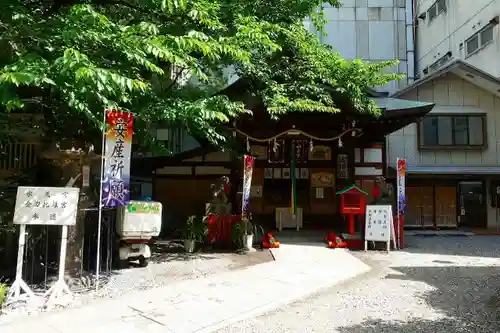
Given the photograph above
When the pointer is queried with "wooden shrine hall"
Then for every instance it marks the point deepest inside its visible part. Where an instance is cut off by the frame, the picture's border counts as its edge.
(330, 152)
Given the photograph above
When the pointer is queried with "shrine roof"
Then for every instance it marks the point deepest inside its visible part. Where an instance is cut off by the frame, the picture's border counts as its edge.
(350, 188)
(462, 69)
(388, 104)
(391, 107)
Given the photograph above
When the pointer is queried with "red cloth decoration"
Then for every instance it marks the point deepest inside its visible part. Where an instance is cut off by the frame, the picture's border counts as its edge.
(227, 189)
(333, 241)
(330, 237)
(376, 192)
(268, 241)
(220, 227)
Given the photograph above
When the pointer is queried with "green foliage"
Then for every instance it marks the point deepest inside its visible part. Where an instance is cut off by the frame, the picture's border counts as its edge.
(4, 288)
(165, 60)
(195, 229)
(238, 230)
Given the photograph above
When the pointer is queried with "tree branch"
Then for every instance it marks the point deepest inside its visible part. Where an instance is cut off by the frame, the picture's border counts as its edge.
(175, 79)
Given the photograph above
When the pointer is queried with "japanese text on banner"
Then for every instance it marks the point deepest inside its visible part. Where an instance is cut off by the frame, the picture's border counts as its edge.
(400, 179)
(248, 163)
(117, 153)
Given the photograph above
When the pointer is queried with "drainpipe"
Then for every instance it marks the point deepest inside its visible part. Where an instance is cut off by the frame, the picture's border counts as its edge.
(410, 44)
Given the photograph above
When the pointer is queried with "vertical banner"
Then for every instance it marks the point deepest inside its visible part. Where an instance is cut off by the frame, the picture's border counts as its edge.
(293, 201)
(117, 153)
(248, 163)
(401, 175)
(401, 199)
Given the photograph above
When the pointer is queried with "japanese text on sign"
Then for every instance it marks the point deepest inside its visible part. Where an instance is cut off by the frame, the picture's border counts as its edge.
(378, 223)
(46, 205)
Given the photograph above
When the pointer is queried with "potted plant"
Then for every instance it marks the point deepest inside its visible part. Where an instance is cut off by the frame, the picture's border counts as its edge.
(247, 234)
(237, 235)
(193, 232)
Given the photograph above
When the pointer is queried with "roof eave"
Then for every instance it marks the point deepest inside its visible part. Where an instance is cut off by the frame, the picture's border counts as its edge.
(450, 67)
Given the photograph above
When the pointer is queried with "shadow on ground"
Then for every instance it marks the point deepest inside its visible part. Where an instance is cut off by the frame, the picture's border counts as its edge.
(174, 251)
(302, 237)
(415, 326)
(466, 298)
(471, 246)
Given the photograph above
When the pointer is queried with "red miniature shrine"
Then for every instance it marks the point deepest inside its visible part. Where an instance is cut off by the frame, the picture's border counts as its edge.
(352, 202)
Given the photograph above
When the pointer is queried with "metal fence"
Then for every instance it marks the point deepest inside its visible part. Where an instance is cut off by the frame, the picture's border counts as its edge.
(41, 256)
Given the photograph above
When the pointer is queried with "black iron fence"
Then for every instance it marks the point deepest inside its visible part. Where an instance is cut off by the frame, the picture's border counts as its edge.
(41, 255)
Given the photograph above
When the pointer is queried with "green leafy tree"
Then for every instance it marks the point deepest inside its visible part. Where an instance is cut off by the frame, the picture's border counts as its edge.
(166, 61)
(71, 59)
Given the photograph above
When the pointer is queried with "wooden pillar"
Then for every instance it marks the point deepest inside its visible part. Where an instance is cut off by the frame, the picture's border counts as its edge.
(234, 179)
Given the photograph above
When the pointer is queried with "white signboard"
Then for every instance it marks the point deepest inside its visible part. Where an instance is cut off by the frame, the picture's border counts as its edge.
(378, 223)
(46, 205)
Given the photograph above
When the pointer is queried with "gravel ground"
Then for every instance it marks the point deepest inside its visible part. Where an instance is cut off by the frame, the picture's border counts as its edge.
(169, 264)
(438, 284)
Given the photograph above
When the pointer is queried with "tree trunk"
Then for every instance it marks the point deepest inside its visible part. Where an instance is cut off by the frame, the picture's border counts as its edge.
(70, 165)
(74, 252)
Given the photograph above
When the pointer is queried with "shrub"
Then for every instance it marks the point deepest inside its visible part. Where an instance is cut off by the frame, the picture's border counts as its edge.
(3, 293)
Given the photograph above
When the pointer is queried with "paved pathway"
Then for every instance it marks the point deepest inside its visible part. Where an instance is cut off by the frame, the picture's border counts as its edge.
(439, 284)
(206, 304)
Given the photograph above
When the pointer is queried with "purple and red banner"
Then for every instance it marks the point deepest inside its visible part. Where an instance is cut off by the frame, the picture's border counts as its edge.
(401, 193)
(117, 153)
(401, 188)
(248, 163)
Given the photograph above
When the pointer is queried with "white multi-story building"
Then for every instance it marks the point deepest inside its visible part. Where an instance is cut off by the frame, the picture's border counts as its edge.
(453, 154)
(374, 30)
(457, 29)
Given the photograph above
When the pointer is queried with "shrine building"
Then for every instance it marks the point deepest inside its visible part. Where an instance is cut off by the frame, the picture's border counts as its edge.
(330, 152)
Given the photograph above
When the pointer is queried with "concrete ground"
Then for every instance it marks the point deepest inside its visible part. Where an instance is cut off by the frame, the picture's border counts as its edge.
(169, 264)
(438, 284)
(445, 284)
(207, 303)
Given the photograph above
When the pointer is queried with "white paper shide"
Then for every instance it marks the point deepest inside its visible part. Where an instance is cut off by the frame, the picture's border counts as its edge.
(46, 205)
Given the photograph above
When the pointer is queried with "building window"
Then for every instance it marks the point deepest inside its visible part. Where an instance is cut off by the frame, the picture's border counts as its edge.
(457, 131)
(479, 40)
(171, 138)
(486, 35)
(174, 142)
(439, 63)
(472, 44)
(437, 8)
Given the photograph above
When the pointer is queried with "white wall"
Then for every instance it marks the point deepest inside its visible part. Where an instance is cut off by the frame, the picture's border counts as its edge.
(373, 30)
(451, 94)
(459, 22)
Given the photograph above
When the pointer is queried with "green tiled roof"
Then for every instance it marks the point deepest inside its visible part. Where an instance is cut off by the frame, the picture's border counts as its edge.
(348, 188)
(388, 103)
